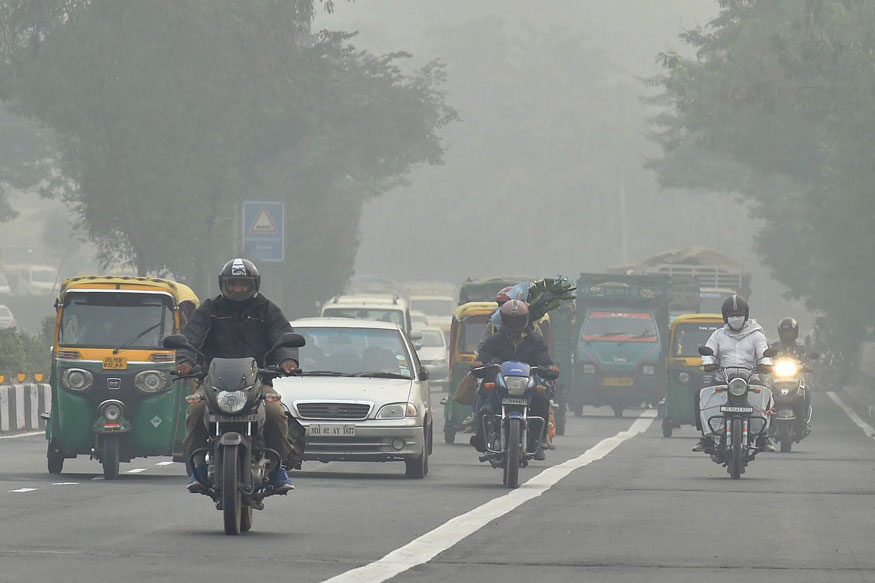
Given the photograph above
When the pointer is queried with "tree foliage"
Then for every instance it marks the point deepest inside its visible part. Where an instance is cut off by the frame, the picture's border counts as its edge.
(778, 106)
(171, 113)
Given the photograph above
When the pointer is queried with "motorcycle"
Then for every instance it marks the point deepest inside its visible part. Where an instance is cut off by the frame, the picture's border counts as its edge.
(791, 421)
(506, 433)
(239, 464)
(740, 423)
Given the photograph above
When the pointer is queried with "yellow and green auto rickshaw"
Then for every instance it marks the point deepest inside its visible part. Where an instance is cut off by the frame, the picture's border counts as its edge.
(113, 396)
(466, 330)
(684, 374)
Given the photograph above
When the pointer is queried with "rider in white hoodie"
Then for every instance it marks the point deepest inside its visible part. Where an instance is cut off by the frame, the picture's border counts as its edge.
(742, 343)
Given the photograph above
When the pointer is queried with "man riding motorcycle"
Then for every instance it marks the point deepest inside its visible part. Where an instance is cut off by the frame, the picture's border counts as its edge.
(789, 345)
(238, 323)
(517, 340)
(742, 343)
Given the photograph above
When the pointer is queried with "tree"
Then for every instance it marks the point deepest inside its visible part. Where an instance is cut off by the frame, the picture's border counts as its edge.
(777, 106)
(171, 113)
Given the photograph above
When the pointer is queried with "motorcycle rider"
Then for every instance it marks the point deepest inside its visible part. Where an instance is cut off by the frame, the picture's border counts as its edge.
(789, 345)
(741, 342)
(517, 340)
(238, 323)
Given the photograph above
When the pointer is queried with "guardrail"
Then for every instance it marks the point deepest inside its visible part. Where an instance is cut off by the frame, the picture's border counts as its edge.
(22, 404)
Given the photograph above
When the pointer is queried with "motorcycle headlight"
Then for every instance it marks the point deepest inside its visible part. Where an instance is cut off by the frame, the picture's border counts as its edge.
(589, 369)
(231, 401)
(648, 369)
(786, 368)
(77, 379)
(516, 385)
(737, 387)
(396, 411)
(151, 381)
(684, 377)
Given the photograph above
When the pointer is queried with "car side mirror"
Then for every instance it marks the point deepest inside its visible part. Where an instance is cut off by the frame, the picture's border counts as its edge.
(175, 342)
(706, 351)
(423, 373)
(770, 353)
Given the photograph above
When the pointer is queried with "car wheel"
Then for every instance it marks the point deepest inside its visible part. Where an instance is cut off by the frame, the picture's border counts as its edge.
(418, 467)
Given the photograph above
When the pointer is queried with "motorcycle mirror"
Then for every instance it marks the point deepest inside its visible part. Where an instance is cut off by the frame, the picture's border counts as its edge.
(175, 342)
(423, 374)
(705, 351)
(547, 373)
(770, 353)
(290, 340)
(479, 372)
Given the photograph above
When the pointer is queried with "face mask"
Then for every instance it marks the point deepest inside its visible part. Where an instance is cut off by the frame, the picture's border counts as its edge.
(736, 322)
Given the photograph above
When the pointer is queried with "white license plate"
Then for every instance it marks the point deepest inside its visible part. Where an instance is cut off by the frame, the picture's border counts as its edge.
(233, 418)
(726, 409)
(325, 430)
(511, 401)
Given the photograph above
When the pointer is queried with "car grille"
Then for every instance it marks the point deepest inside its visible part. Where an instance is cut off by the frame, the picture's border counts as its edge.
(333, 410)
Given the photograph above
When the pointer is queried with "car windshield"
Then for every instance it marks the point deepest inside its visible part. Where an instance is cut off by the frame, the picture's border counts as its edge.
(471, 334)
(432, 338)
(354, 351)
(379, 314)
(434, 307)
(613, 326)
(689, 337)
(113, 319)
(712, 302)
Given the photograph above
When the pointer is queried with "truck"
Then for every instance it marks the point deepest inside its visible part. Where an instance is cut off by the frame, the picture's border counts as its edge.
(622, 332)
(718, 276)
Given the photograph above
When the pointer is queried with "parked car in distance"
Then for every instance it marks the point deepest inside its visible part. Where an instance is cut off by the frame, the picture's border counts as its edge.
(5, 288)
(418, 319)
(30, 279)
(432, 350)
(362, 394)
(7, 320)
(382, 308)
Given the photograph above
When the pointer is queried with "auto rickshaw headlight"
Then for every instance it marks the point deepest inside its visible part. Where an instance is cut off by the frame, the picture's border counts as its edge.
(231, 401)
(77, 379)
(684, 377)
(151, 381)
(737, 387)
(112, 410)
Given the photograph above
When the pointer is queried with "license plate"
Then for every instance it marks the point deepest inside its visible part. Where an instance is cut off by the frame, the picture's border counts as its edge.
(115, 363)
(233, 418)
(727, 409)
(325, 430)
(618, 382)
(511, 401)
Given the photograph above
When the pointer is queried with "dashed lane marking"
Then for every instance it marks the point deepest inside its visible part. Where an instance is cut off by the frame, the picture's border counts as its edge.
(65, 483)
(20, 490)
(429, 545)
(136, 471)
(165, 463)
(852, 415)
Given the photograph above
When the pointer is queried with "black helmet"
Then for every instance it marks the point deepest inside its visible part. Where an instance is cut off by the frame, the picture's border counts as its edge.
(514, 316)
(735, 304)
(788, 329)
(240, 271)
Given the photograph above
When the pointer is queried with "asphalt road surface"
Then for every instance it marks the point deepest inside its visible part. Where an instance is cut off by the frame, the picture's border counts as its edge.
(614, 502)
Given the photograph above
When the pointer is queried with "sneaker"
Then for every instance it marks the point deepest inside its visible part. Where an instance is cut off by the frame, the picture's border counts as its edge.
(705, 444)
(194, 485)
(281, 482)
(540, 454)
(476, 442)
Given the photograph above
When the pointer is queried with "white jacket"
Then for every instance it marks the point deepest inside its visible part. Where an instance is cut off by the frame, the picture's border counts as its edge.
(742, 348)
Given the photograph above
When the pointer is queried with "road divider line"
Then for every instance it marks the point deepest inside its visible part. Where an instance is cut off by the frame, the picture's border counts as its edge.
(165, 463)
(65, 483)
(136, 471)
(447, 535)
(852, 415)
(20, 490)
(28, 434)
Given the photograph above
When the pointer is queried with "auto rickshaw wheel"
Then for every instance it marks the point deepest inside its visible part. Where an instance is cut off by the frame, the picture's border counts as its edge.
(449, 435)
(786, 446)
(578, 409)
(667, 427)
(110, 457)
(561, 414)
(55, 459)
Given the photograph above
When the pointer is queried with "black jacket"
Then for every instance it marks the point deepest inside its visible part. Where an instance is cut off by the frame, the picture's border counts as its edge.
(795, 348)
(531, 349)
(221, 328)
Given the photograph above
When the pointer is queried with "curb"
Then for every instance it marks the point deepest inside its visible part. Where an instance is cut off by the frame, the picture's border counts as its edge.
(22, 404)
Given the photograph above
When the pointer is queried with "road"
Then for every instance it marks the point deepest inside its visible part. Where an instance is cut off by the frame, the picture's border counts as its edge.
(632, 506)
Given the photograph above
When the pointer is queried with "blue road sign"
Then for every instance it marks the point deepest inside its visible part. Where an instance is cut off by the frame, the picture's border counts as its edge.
(264, 231)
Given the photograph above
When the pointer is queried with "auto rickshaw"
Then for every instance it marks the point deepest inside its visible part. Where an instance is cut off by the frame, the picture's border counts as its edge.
(684, 374)
(113, 396)
(466, 330)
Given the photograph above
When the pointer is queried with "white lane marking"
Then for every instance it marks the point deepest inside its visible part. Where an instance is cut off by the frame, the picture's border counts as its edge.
(95, 478)
(429, 545)
(852, 415)
(136, 471)
(28, 434)
(165, 463)
(24, 490)
(65, 483)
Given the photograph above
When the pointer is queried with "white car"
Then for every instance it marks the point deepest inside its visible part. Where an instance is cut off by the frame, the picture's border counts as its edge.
(385, 308)
(363, 394)
(433, 354)
(7, 320)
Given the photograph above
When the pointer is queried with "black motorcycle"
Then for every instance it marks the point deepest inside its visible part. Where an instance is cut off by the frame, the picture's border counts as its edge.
(506, 432)
(239, 464)
(739, 425)
(792, 418)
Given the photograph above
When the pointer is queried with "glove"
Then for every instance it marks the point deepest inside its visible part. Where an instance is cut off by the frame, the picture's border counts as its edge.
(183, 368)
(289, 366)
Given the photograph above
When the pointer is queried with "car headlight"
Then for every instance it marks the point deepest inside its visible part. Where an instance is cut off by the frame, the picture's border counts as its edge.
(737, 387)
(151, 381)
(648, 369)
(397, 411)
(77, 379)
(112, 410)
(589, 369)
(516, 385)
(684, 377)
(786, 368)
(231, 401)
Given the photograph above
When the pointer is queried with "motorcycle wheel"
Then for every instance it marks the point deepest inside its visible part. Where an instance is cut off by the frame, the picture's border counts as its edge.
(245, 518)
(578, 409)
(736, 459)
(55, 460)
(230, 490)
(786, 445)
(110, 457)
(561, 417)
(512, 455)
(667, 427)
(449, 435)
